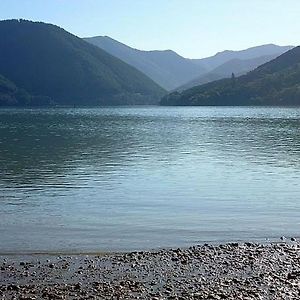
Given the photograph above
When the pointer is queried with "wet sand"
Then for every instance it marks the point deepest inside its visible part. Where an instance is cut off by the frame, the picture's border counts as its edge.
(229, 271)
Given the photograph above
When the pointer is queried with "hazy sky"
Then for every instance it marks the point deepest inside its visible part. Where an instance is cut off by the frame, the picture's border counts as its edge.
(193, 28)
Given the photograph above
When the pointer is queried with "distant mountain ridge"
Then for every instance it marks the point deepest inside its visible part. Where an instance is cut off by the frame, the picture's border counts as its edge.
(46, 62)
(236, 66)
(220, 58)
(173, 71)
(166, 68)
(274, 83)
(43, 64)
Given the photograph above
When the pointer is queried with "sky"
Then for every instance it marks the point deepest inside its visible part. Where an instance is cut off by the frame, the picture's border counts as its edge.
(192, 28)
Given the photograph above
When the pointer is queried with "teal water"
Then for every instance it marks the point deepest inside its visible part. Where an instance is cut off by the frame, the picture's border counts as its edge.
(114, 179)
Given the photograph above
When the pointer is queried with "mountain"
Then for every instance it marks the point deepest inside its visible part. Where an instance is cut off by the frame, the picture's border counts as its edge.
(49, 63)
(174, 72)
(12, 95)
(8, 92)
(236, 66)
(166, 68)
(274, 83)
(220, 58)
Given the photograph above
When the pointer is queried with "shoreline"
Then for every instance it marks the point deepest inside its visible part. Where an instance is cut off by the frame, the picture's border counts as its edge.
(260, 241)
(225, 271)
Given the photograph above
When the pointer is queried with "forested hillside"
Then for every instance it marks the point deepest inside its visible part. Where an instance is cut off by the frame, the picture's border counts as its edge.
(274, 83)
(49, 62)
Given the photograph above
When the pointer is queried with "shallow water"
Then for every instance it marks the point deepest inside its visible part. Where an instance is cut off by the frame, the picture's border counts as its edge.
(111, 179)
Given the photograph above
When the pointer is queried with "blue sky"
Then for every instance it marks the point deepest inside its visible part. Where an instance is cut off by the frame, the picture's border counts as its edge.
(193, 28)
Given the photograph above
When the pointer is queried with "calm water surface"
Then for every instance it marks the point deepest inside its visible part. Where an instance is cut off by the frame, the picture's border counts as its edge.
(111, 179)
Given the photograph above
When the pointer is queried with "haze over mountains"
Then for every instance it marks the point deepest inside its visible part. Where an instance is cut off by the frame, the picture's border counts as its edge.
(43, 64)
(274, 83)
(172, 71)
(220, 58)
(166, 68)
(237, 66)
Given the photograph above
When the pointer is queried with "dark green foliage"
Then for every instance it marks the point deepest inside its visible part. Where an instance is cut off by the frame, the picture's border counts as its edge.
(8, 91)
(274, 83)
(11, 95)
(55, 66)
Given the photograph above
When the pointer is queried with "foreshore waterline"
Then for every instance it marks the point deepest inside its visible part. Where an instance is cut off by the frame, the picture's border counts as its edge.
(112, 251)
(225, 271)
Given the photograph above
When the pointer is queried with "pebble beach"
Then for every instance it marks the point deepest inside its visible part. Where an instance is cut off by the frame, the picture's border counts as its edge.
(228, 271)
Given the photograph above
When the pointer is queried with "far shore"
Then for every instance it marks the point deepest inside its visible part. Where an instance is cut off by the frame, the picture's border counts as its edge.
(226, 271)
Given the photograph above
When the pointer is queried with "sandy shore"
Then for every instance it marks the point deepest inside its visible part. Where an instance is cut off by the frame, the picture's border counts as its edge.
(230, 271)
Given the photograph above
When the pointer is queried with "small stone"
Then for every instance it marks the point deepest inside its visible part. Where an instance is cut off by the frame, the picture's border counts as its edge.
(293, 275)
(14, 287)
(77, 286)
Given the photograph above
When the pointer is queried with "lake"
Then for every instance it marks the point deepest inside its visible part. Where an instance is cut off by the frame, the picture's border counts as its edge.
(133, 178)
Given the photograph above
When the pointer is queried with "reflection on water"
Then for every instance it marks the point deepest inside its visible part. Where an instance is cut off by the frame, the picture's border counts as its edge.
(137, 178)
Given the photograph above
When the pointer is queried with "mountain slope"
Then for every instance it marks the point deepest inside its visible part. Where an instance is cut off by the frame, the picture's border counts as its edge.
(236, 66)
(220, 58)
(12, 95)
(274, 83)
(166, 68)
(172, 71)
(8, 92)
(45, 60)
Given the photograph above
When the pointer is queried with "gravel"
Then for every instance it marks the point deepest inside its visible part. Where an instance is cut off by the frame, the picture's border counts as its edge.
(229, 271)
